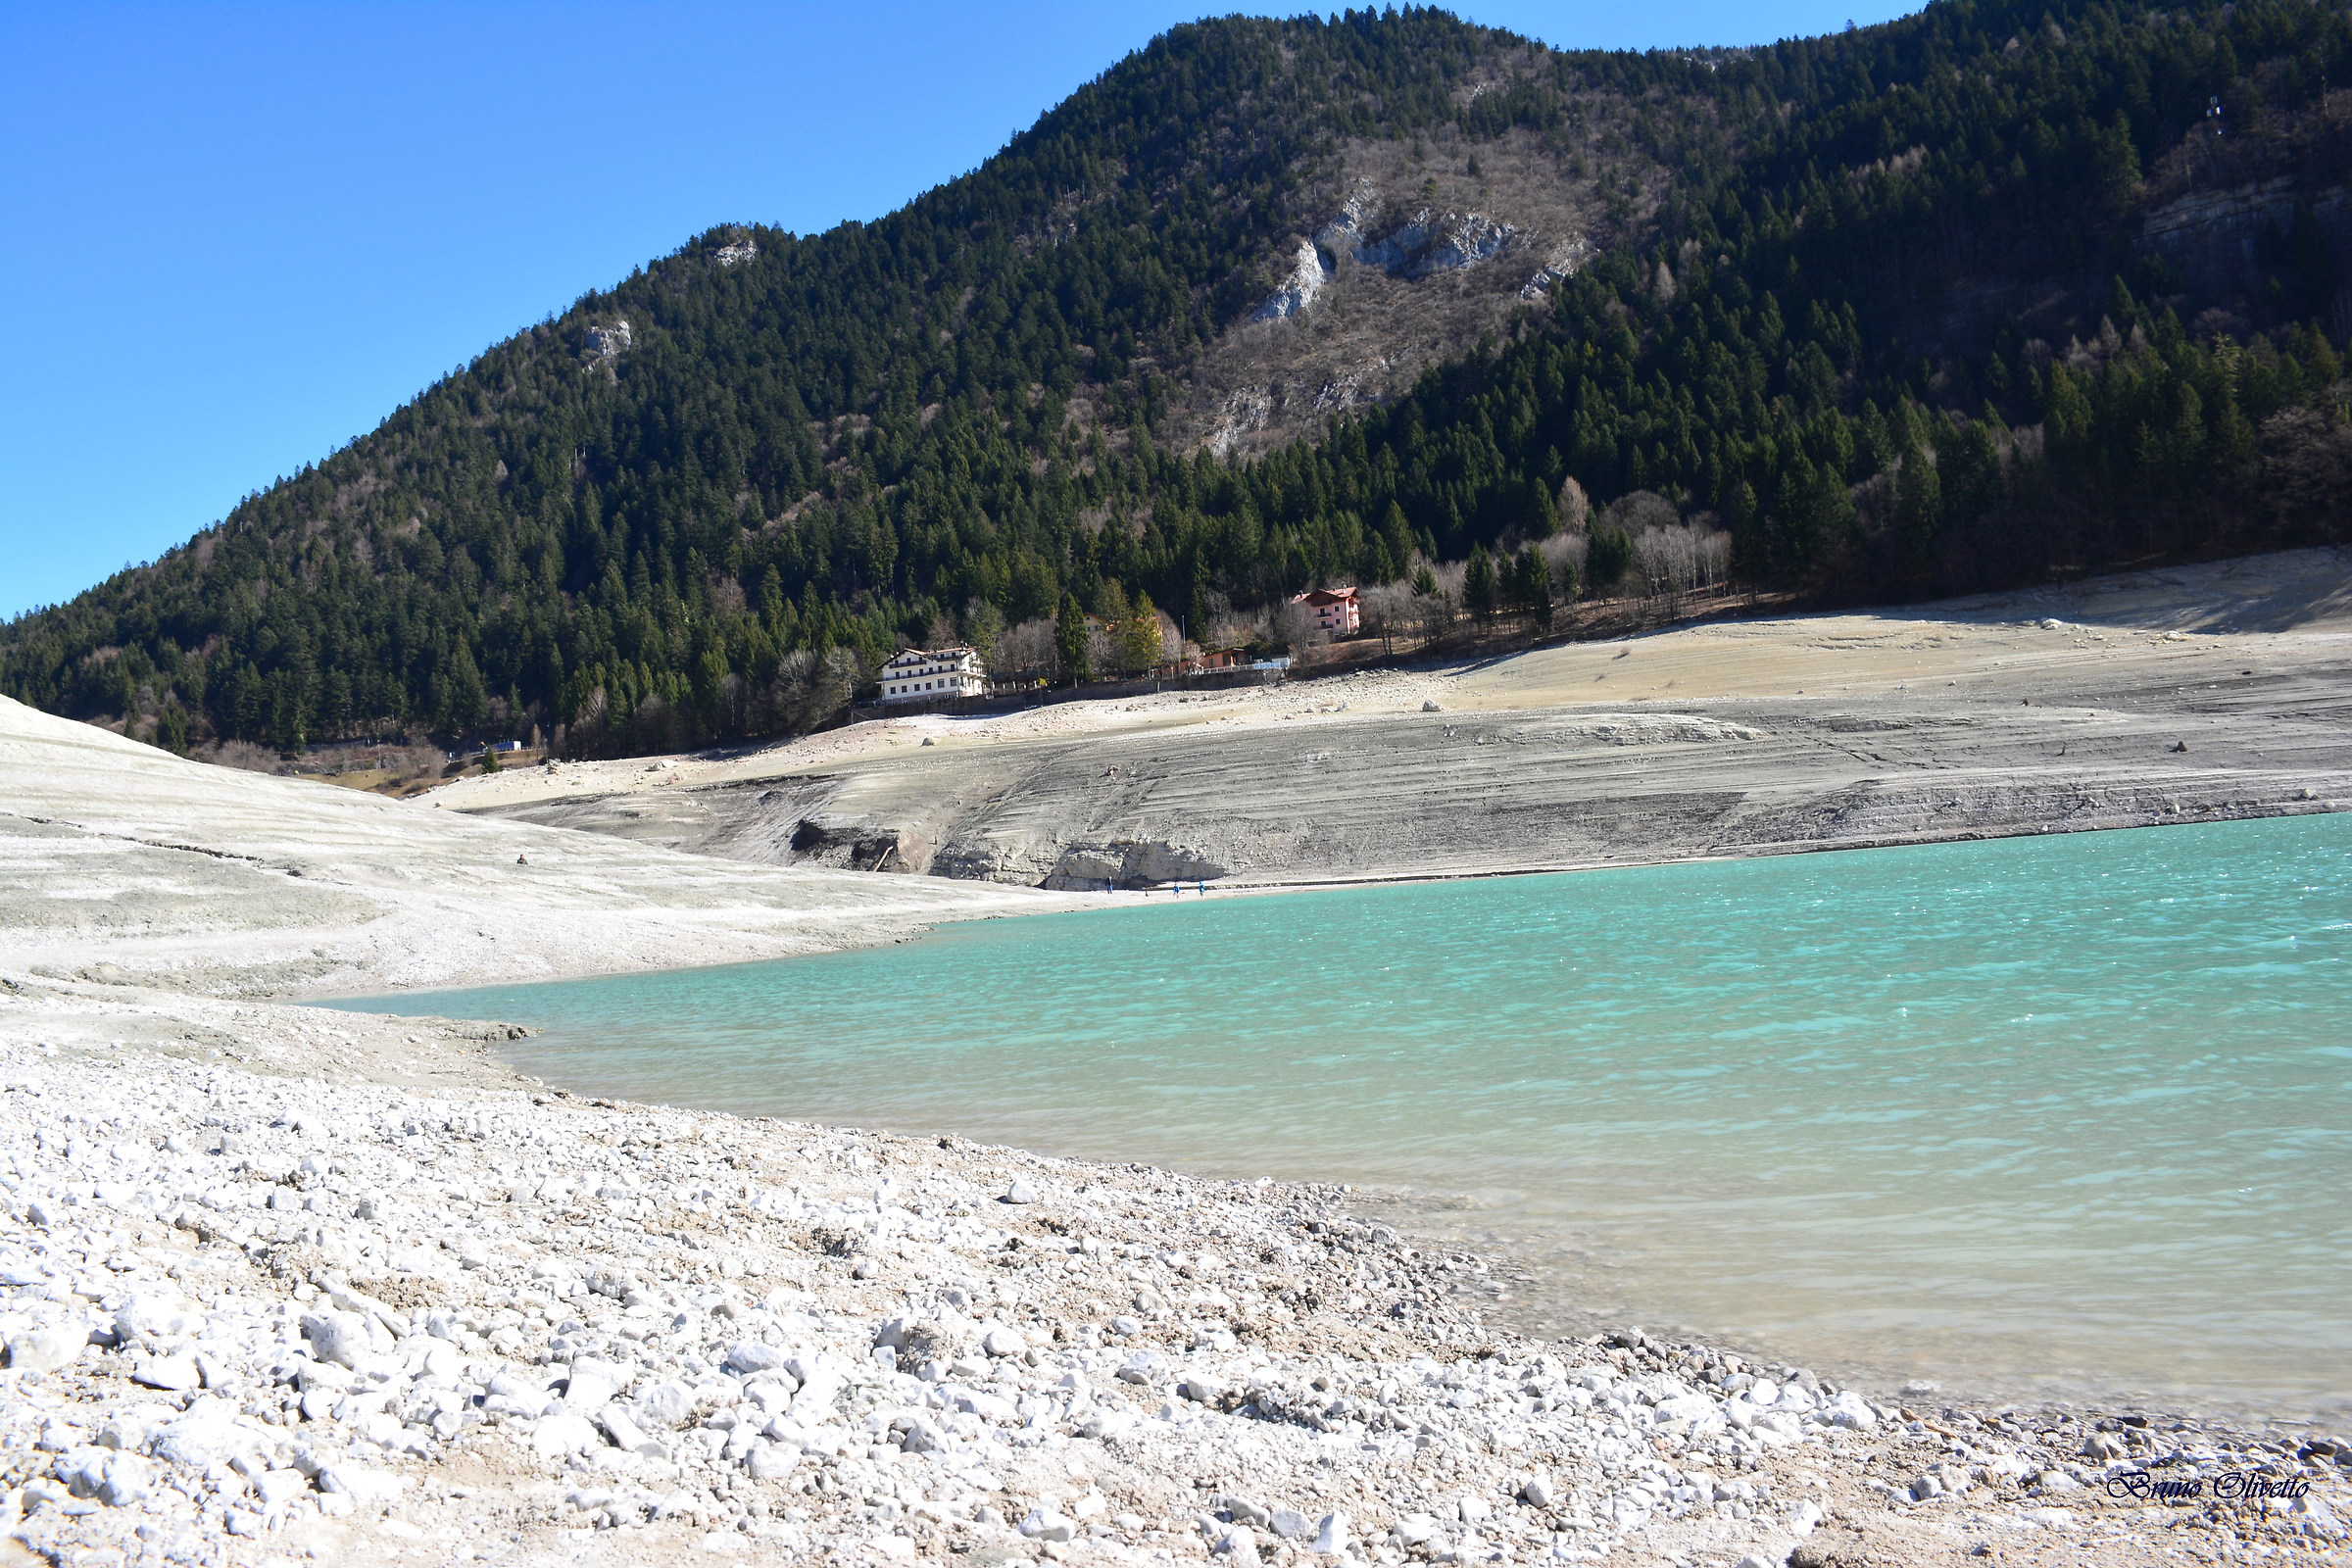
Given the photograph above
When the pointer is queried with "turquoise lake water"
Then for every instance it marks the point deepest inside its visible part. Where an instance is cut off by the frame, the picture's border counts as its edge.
(2068, 1114)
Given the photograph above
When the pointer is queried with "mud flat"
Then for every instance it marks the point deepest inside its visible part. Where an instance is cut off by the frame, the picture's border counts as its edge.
(2199, 695)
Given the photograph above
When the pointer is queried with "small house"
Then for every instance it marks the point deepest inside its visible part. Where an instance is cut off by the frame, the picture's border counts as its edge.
(1335, 609)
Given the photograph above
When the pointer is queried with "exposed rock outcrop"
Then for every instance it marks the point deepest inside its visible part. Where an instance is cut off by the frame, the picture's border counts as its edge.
(1428, 241)
(1086, 867)
(1308, 271)
(605, 344)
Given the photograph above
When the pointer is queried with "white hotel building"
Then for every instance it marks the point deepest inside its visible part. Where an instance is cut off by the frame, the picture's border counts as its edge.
(920, 676)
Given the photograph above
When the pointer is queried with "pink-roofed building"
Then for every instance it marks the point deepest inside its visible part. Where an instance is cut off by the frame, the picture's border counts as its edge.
(1336, 610)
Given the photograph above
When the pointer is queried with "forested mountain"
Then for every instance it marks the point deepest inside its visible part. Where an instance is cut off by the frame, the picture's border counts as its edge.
(2006, 287)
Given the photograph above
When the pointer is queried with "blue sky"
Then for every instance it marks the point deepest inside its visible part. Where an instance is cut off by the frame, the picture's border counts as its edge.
(232, 237)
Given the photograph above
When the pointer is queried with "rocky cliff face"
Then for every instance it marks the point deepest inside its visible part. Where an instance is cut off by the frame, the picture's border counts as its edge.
(1402, 254)
(2229, 242)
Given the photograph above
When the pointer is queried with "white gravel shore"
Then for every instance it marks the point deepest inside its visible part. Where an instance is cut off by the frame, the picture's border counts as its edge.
(260, 1304)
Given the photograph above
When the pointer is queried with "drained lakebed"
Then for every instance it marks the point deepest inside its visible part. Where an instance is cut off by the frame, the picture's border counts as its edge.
(2067, 1116)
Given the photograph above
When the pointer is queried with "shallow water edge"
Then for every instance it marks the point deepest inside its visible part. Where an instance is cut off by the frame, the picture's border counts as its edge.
(2038, 1117)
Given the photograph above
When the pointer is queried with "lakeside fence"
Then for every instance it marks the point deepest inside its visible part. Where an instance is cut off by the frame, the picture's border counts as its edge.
(1014, 702)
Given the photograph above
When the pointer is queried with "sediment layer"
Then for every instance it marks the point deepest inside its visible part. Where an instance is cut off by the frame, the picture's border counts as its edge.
(1970, 719)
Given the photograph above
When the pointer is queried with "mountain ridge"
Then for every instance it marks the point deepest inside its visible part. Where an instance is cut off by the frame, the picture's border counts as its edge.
(700, 504)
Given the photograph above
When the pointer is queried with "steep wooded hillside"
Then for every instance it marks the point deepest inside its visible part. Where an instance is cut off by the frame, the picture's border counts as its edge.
(1963, 299)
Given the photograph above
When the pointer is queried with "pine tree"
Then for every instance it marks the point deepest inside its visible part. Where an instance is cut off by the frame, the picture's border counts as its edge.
(1480, 590)
(1607, 558)
(1918, 507)
(1531, 587)
(1071, 641)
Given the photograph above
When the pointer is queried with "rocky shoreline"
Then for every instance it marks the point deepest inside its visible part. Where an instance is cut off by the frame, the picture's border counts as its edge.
(283, 1281)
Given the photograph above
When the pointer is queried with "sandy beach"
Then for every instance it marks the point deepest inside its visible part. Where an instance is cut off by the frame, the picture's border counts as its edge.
(282, 1283)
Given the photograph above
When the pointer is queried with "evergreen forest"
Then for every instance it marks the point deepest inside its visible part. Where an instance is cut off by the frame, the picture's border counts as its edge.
(1906, 323)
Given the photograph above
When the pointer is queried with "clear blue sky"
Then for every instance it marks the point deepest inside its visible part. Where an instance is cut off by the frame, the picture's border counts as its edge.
(234, 236)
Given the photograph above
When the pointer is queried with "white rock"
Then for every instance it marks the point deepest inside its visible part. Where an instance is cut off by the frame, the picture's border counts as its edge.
(665, 1404)
(820, 1386)
(336, 1337)
(750, 1355)
(562, 1433)
(209, 1433)
(1108, 1423)
(176, 1374)
(592, 1384)
(626, 1434)
(770, 1462)
(1003, 1342)
(1047, 1524)
(771, 1392)
(1239, 1543)
(1413, 1529)
(115, 1479)
(1289, 1524)
(48, 1350)
(1535, 1492)
(1695, 1412)
(150, 1313)
(1850, 1409)
(1331, 1535)
(1201, 1389)
(1804, 1517)
(1020, 1193)
(993, 1409)
(363, 1484)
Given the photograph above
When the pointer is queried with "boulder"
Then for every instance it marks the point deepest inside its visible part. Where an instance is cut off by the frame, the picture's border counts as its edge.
(592, 1384)
(1331, 1535)
(175, 1374)
(565, 1431)
(47, 1349)
(750, 1355)
(337, 1336)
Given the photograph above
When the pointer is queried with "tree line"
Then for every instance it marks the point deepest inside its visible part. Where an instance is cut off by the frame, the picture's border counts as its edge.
(812, 451)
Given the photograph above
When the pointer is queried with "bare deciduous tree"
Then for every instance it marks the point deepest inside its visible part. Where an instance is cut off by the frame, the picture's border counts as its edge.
(1027, 652)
